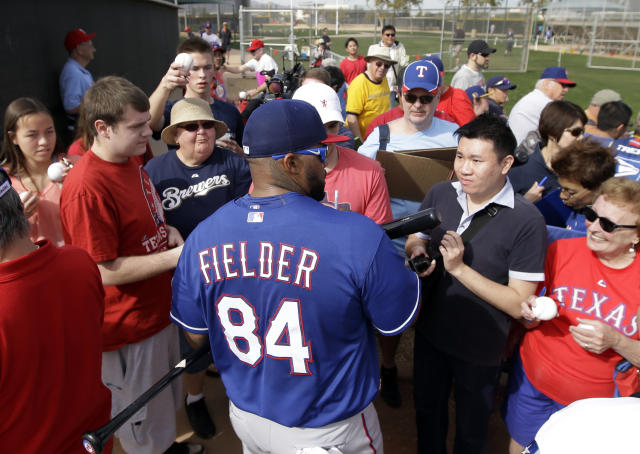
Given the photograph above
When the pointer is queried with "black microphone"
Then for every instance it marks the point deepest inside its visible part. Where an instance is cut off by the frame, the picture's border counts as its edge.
(422, 220)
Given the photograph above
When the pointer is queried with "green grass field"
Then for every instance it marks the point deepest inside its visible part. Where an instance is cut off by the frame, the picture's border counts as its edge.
(418, 43)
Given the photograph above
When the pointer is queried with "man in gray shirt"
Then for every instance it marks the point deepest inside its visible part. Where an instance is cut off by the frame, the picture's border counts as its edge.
(470, 74)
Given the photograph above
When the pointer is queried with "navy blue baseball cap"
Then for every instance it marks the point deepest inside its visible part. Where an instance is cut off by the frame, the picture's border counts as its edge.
(559, 74)
(500, 82)
(282, 126)
(476, 92)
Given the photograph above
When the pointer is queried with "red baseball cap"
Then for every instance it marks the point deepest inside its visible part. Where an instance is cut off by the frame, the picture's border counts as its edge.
(255, 44)
(76, 37)
(187, 29)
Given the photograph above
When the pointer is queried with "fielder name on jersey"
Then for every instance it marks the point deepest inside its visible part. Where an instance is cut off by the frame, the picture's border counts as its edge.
(229, 261)
(172, 197)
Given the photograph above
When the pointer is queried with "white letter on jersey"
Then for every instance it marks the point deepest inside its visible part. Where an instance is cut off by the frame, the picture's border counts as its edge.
(266, 260)
(245, 330)
(287, 324)
(204, 266)
(243, 261)
(227, 259)
(283, 263)
(306, 266)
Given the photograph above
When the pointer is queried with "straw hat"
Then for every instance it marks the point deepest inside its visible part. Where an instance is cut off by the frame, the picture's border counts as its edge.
(189, 110)
(380, 52)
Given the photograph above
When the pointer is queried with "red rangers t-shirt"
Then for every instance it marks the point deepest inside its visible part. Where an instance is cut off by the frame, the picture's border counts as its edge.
(583, 287)
(112, 210)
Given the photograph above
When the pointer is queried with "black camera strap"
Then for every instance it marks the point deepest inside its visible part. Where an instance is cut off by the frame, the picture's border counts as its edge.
(479, 220)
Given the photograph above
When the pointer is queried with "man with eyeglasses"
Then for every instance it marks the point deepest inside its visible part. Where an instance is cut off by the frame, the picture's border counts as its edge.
(470, 74)
(289, 293)
(368, 93)
(553, 84)
(197, 84)
(110, 208)
(497, 89)
(397, 52)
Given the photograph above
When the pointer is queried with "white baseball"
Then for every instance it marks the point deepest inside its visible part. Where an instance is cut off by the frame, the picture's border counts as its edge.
(545, 308)
(185, 60)
(23, 196)
(242, 95)
(585, 326)
(56, 171)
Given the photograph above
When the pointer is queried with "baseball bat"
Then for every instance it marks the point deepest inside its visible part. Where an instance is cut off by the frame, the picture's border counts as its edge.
(95, 441)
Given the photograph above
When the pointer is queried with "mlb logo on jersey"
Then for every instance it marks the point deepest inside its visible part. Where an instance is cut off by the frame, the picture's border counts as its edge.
(255, 216)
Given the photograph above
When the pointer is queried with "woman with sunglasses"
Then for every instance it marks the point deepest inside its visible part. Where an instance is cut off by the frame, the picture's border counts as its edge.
(561, 124)
(594, 282)
(581, 168)
(30, 146)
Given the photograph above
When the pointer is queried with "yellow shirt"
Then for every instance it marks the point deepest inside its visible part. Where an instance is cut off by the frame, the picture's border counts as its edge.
(367, 100)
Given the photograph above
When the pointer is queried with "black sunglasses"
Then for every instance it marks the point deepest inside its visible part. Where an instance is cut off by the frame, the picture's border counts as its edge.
(606, 224)
(575, 132)
(386, 65)
(389, 34)
(193, 127)
(485, 55)
(424, 99)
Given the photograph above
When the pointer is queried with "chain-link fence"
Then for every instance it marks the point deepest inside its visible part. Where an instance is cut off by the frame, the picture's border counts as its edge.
(294, 33)
(615, 41)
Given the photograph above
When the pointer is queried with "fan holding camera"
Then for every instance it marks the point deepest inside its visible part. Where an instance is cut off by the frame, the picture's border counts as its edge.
(492, 242)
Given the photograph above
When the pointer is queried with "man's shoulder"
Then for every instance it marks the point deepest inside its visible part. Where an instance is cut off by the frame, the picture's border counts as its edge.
(525, 212)
(225, 107)
(361, 162)
(442, 126)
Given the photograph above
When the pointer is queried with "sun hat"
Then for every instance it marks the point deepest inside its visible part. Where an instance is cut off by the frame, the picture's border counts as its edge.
(76, 37)
(324, 99)
(190, 110)
(380, 52)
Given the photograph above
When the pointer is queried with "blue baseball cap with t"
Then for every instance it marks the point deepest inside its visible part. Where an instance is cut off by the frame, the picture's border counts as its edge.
(422, 74)
(282, 126)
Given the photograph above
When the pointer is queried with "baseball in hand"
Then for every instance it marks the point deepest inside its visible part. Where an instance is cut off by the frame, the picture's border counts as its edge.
(242, 95)
(23, 196)
(56, 171)
(585, 326)
(185, 60)
(545, 308)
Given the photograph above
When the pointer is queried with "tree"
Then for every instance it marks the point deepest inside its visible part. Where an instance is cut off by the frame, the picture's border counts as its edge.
(394, 5)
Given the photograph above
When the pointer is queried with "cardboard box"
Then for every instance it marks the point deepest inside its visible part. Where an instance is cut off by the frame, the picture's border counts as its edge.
(411, 173)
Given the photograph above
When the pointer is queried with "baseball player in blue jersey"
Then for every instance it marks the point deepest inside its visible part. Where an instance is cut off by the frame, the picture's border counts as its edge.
(290, 293)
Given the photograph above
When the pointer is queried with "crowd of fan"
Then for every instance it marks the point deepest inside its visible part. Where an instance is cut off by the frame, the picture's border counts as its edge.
(558, 186)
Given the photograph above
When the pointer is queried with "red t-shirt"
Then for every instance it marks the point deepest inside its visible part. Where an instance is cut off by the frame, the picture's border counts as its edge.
(351, 69)
(396, 113)
(457, 104)
(51, 391)
(112, 210)
(361, 186)
(79, 149)
(583, 287)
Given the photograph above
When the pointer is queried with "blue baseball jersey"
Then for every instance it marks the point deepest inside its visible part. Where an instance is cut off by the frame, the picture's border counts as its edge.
(628, 157)
(190, 194)
(289, 292)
